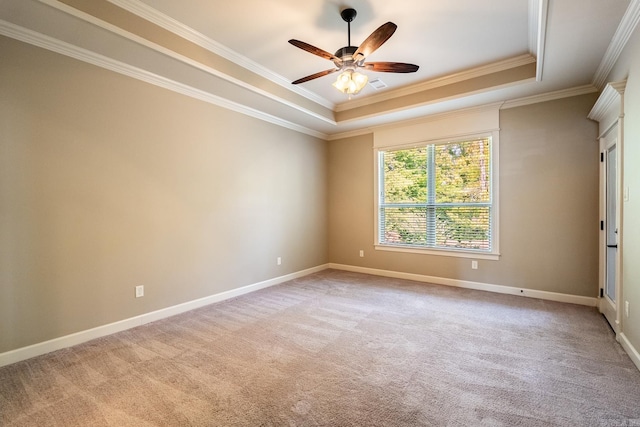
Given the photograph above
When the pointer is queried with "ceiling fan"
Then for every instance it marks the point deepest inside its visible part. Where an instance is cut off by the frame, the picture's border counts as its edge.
(349, 59)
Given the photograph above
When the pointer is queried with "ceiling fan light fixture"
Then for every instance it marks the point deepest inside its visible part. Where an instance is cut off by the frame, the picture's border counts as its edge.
(350, 82)
(350, 58)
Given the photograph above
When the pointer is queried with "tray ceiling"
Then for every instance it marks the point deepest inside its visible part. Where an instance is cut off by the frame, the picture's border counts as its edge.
(235, 54)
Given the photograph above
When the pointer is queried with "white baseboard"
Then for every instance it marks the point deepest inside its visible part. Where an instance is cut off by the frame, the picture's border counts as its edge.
(630, 349)
(38, 349)
(531, 293)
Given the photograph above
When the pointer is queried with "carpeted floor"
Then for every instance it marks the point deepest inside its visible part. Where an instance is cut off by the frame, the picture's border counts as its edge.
(340, 349)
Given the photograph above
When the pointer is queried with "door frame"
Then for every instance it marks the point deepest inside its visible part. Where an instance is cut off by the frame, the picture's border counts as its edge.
(608, 111)
(611, 309)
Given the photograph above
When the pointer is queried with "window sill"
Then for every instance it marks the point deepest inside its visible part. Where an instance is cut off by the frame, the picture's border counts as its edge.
(439, 252)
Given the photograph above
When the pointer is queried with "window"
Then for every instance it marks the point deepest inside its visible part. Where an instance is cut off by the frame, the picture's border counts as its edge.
(438, 196)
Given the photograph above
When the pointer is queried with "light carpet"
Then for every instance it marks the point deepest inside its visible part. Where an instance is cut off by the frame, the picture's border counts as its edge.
(340, 349)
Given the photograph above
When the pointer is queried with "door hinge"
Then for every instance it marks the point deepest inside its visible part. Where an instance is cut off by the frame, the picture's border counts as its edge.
(602, 157)
(601, 293)
(601, 225)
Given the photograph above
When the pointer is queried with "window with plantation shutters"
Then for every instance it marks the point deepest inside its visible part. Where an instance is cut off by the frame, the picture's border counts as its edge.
(437, 196)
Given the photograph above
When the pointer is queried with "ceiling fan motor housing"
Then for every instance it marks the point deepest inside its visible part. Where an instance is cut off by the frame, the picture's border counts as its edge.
(346, 55)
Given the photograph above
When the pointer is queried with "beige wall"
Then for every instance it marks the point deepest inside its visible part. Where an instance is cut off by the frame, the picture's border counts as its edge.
(631, 208)
(548, 204)
(107, 183)
(628, 67)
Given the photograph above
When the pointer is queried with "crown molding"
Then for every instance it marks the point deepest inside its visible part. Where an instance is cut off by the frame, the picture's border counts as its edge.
(415, 121)
(37, 39)
(484, 70)
(519, 102)
(145, 11)
(611, 94)
(538, 15)
(618, 42)
(144, 42)
(350, 134)
(550, 96)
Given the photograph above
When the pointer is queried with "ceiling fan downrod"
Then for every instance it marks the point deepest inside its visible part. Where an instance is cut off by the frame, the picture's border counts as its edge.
(348, 15)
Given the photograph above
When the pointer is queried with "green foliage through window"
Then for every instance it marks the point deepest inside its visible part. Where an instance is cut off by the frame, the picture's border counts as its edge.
(437, 196)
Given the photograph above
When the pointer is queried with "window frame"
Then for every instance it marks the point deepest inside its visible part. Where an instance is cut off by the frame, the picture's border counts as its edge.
(494, 254)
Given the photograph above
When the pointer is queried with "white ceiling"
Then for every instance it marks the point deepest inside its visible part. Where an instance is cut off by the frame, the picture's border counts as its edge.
(445, 38)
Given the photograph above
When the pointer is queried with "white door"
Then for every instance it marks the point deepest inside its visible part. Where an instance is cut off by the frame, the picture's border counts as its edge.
(609, 301)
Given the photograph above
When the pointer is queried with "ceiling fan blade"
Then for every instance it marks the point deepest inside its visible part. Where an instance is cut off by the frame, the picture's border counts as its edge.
(390, 67)
(315, 76)
(375, 40)
(315, 50)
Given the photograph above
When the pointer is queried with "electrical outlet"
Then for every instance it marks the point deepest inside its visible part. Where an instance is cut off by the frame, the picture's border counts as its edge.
(474, 264)
(626, 308)
(279, 261)
(139, 291)
(361, 253)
